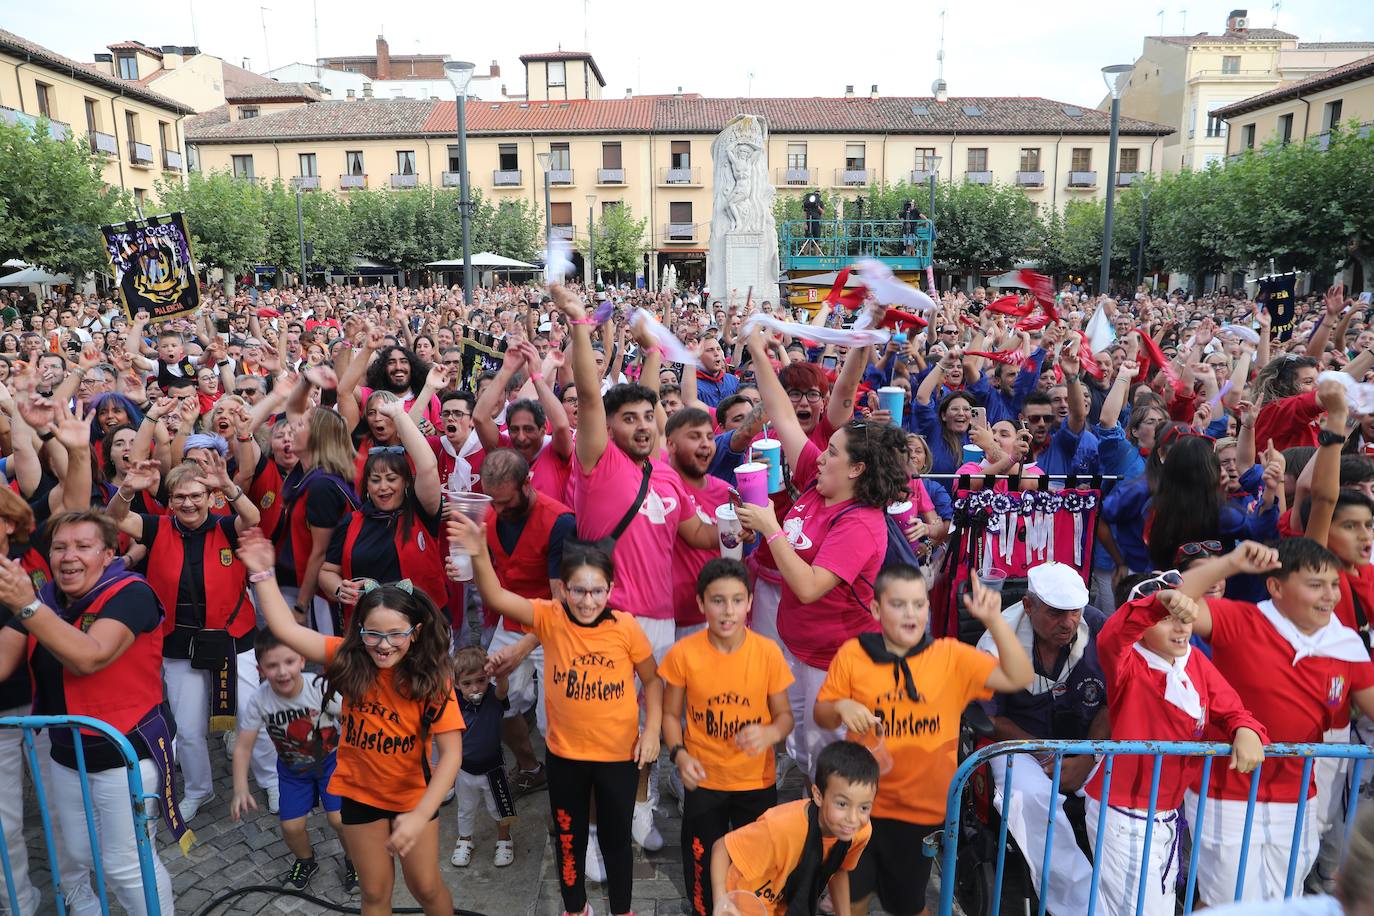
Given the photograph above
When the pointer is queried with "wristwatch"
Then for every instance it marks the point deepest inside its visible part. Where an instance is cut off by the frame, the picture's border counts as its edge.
(1327, 437)
(674, 751)
(28, 610)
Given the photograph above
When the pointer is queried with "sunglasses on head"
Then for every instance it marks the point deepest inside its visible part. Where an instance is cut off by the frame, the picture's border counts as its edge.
(386, 450)
(1170, 579)
(1197, 549)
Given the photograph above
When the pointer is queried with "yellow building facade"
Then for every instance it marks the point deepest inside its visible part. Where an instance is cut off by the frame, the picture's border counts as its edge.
(1306, 110)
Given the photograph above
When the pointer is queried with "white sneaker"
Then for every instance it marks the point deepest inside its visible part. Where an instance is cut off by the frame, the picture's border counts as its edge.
(273, 799)
(596, 866)
(643, 829)
(462, 853)
(586, 911)
(505, 853)
(190, 807)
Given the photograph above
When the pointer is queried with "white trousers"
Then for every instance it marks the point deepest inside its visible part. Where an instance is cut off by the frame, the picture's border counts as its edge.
(1119, 860)
(114, 828)
(473, 791)
(1271, 840)
(525, 681)
(807, 739)
(1027, 816)
(188, 693)
(661, 634)
(763, 618)
(321, 616)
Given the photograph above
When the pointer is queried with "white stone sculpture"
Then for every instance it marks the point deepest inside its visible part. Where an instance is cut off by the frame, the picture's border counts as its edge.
(744, 236)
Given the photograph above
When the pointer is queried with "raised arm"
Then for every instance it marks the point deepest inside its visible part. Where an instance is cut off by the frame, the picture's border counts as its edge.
(592, 435)
(489, 404)
(1068, 359)
(840, 409)
(1326, 482)
(1334, 302)
(1110, 414)
(776, 403)
(255, 550)
(427, 490)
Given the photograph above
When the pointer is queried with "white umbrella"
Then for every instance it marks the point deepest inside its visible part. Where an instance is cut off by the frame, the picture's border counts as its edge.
(484, 259)
(33, 276)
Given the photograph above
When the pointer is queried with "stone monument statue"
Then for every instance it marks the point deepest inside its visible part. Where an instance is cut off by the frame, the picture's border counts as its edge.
(744, 236)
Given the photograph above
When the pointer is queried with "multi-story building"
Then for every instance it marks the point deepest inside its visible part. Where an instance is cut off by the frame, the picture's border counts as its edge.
(653, 153)
(182, 73)
(138, 132)
(387, 76)
(1307, 109)
(1179, 80)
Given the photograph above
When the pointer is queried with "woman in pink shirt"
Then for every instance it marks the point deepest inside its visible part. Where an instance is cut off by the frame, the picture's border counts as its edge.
(1005, 448)
(830, 545)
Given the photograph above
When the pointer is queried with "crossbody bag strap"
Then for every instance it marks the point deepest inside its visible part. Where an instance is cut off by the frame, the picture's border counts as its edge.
(1361, 619)
(634, 506)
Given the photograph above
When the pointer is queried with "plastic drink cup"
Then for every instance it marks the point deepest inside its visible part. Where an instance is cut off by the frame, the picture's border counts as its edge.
(731, 531)
(474, 506)
(769, 451)
(973, 453)
(747, 903)
(877, 746)
(893, 400)
(752, 482)
(993, 579)
(903, 513)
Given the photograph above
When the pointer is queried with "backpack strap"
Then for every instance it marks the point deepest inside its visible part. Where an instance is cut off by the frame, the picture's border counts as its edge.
(430, 714)
(634, 506)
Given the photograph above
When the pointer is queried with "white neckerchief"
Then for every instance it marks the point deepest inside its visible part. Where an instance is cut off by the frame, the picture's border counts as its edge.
(1020, 624)
(1335, 640)
(1178, 687)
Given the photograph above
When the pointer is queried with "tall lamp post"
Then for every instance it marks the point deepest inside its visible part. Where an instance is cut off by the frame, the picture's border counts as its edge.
(932, 176)
(544, 160)
(459, 73)
(1110, 75)
(300, 233)
(1144, 218)
(591, 243)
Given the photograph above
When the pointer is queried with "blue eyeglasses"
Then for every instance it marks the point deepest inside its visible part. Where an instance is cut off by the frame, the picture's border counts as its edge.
(373, 638)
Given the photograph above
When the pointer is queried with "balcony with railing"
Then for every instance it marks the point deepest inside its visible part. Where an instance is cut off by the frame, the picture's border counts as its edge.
(306, 182)
(171, 160)
(451, 179)
(560, 176)
(852, 178)
(140, 153)
(976, 177)
(565, 233)
(922, 176)
(610, 176)
(404, 180)
(352, 182)
(690, 177)
(58, 130)
(1126, 179)
(801, 177)
(104, 143)
(508, 178)
(1030, 179)
(1083, 179)
(831, 244)
(1230, 76)
(679, 232)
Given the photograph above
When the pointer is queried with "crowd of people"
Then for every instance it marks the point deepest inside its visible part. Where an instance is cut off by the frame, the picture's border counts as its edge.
(258, 521)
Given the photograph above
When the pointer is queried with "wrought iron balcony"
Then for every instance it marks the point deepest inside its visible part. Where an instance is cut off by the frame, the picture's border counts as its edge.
(1030, 179)
(140, 153)
(973, 177)
(562, 232)
(610, 176)
(507, 178)
(679, 232)
(801, 177)
(560, 176)
(351, 182)
(404, 180)
(680, 176)
(1126, 179)
(171, 160)
(1083, 179)
(306, 182)
(921, 176)
(452, 179)
(852, 178)
(104, 143)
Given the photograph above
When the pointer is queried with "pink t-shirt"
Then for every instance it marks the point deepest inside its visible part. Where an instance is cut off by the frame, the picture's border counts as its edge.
(974, 468)
(688, 560)
(921, 502)
(601, 499)
(549, 473)
(850, 541)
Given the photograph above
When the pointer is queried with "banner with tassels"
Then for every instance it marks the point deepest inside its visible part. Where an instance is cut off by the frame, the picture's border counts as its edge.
(152, 265)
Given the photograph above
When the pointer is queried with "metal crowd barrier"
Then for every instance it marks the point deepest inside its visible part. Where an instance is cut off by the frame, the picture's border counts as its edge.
(945, 844)
(137, 800)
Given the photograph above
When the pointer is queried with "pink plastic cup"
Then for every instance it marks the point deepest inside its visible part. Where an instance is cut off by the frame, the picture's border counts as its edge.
(752, 482)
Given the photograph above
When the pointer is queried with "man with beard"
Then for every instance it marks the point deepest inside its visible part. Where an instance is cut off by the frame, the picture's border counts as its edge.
(549, 454)
(394, 369)
(526, 531)
(622, 494)
(691, 449)
(713, 382)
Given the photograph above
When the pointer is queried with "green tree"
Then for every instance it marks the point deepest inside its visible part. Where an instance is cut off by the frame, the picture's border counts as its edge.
(325, 219)
(513, 230)
(620, 242)
(982, 227)
(53, 201)
(224, 215)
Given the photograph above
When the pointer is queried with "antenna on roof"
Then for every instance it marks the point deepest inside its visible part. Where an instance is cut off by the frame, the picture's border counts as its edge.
(1161, 21)
(195, 38)
(1184, 29)
(266, 52)
(586, 44)
(1275, 7)
(316, 7)
(749, 92)
(940, 54)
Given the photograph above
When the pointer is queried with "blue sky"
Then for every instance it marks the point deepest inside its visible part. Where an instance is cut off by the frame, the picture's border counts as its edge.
(801, 47)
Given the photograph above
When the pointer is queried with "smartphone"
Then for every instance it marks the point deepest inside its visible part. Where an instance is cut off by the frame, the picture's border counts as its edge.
(980, 416)
(222, 325)
(1367, 297)
(829, 363)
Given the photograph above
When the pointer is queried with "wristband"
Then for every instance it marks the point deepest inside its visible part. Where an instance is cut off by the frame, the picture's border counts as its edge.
(47, 436)
(773, 537)
(244, 438)
(1327, 437)
(127, 499)
(536, 376)
(589, 321)
(260, 576)
(674, 751)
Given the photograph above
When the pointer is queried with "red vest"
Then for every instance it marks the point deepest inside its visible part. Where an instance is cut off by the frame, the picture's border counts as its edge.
(123, 691)
(526, 571)
(298, 529)
(421, 557)
(226, 579)
(265, 492)
(36, 565)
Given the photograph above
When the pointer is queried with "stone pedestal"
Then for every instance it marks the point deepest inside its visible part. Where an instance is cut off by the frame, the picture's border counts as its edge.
(744, 238)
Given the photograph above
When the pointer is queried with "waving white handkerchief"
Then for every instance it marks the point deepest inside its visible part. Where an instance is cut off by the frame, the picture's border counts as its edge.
(836, 336)
(884, 286)
(674, 351)
(557, 261)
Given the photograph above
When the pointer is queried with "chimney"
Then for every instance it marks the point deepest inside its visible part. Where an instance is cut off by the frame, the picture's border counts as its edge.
(171, 57)
(495, 70)
(1238, 21)
(873, 92)
(105, 64)
(246, 64)
(351, 95)
(383, 61)
(940, 89)
(679, 92)
(849, 91)
(629, 92)
(367, 90)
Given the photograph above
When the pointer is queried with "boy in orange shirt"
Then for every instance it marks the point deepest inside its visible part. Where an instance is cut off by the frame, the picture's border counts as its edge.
(789, 856)
(915, 689)
(731, 684)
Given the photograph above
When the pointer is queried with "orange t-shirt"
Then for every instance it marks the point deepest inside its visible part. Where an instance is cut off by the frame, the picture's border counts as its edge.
(380, 757)
(592, 707)
(764, 853)
(726, 692)
(923, 736)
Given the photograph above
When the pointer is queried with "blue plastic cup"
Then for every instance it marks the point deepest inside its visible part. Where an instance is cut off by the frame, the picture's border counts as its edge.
(893, 400)
(769, 452)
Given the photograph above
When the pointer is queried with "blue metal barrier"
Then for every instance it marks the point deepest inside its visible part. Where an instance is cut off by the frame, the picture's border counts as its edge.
(945, 844)
(137, 800)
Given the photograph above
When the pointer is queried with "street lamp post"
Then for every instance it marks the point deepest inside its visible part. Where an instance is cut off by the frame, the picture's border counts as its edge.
(300, 232)
(1144, 221)
(932, 175)
(544, 159)
(591, 243)
(459, 73)
(1110, 75)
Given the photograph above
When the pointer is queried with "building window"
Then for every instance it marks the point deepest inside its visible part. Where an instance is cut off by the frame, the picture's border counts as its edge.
(128, 66)
(1216, 127)
(557, 73)
(162, 134)
(131, 126)
(561, 213)
(680, 212)
(608, 205)
(680, 154)
(405, 162)
(560, 157)
(141, 197)
(854, 157)
(925, 157)
(307, 165)
(978, 159)
(44, 99)
(1030, 159)
(1286, 128)
(1129, 160)
(610, 156)
(353, 163)
(1247, 136)
(92, 124)
(1230, 64)
(508, 157)
(243, 166)
(796, 155)
(246, 113)
(1081, 160)
(453, 159)
(1331, 115)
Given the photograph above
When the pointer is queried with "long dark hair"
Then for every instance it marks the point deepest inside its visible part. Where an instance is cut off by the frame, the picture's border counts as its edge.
(423, 674)
(377, 379)
(1278, 378)
(1187, 503)
(882, 450)
(107, 468)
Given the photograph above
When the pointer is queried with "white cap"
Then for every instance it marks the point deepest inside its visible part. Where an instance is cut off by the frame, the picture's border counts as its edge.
(1058, 585)
(545, 327)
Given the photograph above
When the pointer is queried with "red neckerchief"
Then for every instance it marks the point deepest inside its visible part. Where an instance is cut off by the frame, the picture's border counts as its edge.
(704, 376)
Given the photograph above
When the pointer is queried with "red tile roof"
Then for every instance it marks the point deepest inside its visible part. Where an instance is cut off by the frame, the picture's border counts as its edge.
(135, 46)
(11, 43)
(584, 116)
(319, 121)
(1336, 76)
(270, 91)
(1226, 37)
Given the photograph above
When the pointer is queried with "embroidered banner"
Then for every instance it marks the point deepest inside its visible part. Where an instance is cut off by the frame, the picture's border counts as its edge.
(153, 267)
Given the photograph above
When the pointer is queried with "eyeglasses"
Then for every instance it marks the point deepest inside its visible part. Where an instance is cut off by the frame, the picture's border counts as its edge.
(1170, 579)
(1197, 549)
(188, 497)
(373, 638)
(386, 450)
(245, 392)
(813, 396)
(1039, 418)
(596, 594)
(458, 414)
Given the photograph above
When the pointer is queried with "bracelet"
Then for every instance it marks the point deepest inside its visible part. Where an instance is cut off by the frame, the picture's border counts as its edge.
(244, 438)
(773, 537)
(589, 321)
(536, 376)
(235, 497)
(127, 499)
(260, 576)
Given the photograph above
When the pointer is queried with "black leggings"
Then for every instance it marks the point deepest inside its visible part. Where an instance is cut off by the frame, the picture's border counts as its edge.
(572, 784)
(707, 815)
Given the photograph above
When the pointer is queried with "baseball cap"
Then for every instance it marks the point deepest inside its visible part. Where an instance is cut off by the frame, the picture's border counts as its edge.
(1057, 585)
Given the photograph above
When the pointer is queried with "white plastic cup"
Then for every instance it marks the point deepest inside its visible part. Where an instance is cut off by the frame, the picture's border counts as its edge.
(474, 506)
(731, 531)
